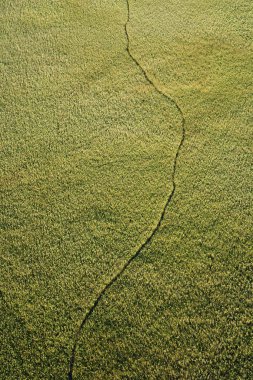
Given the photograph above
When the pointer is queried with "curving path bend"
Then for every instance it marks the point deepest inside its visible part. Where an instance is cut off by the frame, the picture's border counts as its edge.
(166, 205)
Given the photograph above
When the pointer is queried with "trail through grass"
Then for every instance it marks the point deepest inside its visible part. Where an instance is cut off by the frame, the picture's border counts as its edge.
(159, 222)
(87, 155)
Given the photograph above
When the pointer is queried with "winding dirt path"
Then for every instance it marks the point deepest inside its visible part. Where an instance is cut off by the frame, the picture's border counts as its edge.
(159, 222)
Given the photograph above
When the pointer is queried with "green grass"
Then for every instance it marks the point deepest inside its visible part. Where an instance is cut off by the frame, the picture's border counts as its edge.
(87, 150)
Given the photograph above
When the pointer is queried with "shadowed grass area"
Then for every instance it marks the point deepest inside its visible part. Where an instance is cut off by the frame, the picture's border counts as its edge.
(87, 149)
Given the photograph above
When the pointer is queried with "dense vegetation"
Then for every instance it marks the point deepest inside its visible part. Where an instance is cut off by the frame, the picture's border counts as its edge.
(87, 154)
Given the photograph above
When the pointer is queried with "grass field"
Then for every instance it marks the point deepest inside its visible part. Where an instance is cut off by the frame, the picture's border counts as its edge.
(88, 142)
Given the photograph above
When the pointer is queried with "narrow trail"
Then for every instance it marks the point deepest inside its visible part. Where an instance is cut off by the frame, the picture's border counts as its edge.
(159, 222)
